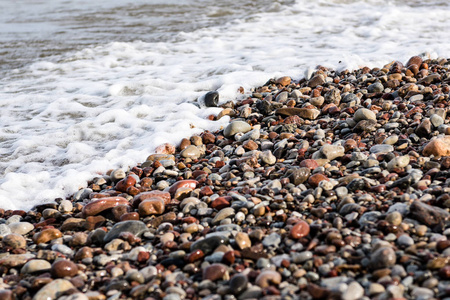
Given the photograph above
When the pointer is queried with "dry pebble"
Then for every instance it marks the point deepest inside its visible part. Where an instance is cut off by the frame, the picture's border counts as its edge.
(330, 187)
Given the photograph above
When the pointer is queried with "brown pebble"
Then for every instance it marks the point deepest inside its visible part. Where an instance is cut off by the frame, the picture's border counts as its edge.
(95, 207)
(268, 277)
(63, 268)
(299, 230)
(215, 272)
(309, 163)
(14, 241)
(152, 206)
(315, 179)
(47, 235)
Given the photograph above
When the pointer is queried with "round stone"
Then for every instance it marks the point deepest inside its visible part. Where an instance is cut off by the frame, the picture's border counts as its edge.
(438, 147)
(267, 157)
(63, 268)
(47, 235)
(299, 230)
(394, 218)
(315, 179)
(212, 99)
(236, 127)
(383, 257)
(238, 283)
(215, 272)
(152, 206)
(14, 241)
(191, 151)
(364, 114)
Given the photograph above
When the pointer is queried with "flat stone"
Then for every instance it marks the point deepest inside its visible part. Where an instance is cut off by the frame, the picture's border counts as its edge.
(381, 149)
(305, 113)
(47, 235)
(96, 207)
(223, 214)
(15, 260)
(429, 215)
(236, 127)
(209, 244)
(35, 266)
(398, 162)
(364, 114)
(137, 228)
(54, 289)
(332, 151)
(189, 183)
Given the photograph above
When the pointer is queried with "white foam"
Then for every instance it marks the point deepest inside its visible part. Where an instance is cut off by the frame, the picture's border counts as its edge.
(63, 122)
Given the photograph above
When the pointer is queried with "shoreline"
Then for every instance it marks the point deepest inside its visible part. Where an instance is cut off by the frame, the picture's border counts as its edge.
(327, 188)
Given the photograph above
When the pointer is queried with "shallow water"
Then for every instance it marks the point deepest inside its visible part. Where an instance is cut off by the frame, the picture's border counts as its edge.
(86, 86)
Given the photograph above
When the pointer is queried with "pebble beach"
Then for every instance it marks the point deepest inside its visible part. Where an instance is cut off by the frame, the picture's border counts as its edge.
(334, 186)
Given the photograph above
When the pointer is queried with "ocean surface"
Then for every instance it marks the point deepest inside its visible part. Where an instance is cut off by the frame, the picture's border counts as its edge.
(87, 86)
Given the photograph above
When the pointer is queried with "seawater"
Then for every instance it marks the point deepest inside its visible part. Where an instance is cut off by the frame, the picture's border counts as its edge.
(87, 86)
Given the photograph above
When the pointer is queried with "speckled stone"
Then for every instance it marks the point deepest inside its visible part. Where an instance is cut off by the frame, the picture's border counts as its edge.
(137, 228)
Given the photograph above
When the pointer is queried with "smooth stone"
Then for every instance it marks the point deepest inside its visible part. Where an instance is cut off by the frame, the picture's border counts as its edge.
(332, 151)
(317, 80)
(398, 162)
(315, 179)
(137, 228)
(436, 120)
(383, 257)
(191, 151)
(236, 127)
(223, 214)
(381, 149)
(299, 176)
(354, 291)
(35, 265)
(305, 113)
(428, 215)
(152, 206)
(54, 289)
(15, 260)
(238, 283)
(215, 272)
(14, 241)
(268, 277)
(364, 114)
(46, 235)
(438, 147)
(299, 230)
(96, 207)
(267, 157)
(376, 87)
(151, 194)
(211, 99)
(65, 206)
(4, 230)
(209, 244)
(424, 128)
(66, 250)
(405, 240)
(188, 183)
(242, 240)
(394, 218)
(272, 240)
(63, 268)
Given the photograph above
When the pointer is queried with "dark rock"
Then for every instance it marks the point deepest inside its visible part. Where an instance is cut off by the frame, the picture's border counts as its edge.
(212, 99)
(432, 216)
(135, 227)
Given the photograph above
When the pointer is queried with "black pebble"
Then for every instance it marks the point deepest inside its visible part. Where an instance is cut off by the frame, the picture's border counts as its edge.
(212, 99)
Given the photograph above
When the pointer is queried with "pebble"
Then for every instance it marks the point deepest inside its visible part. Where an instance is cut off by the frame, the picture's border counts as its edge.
(136, 228)
(236, 127)
(14, 241)
(54, 289)
(438, 147)
(36, 266)
(299, 230)
(63, 268)
(211, 99)
(364, 114)
(238, 283)
(383, 257)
